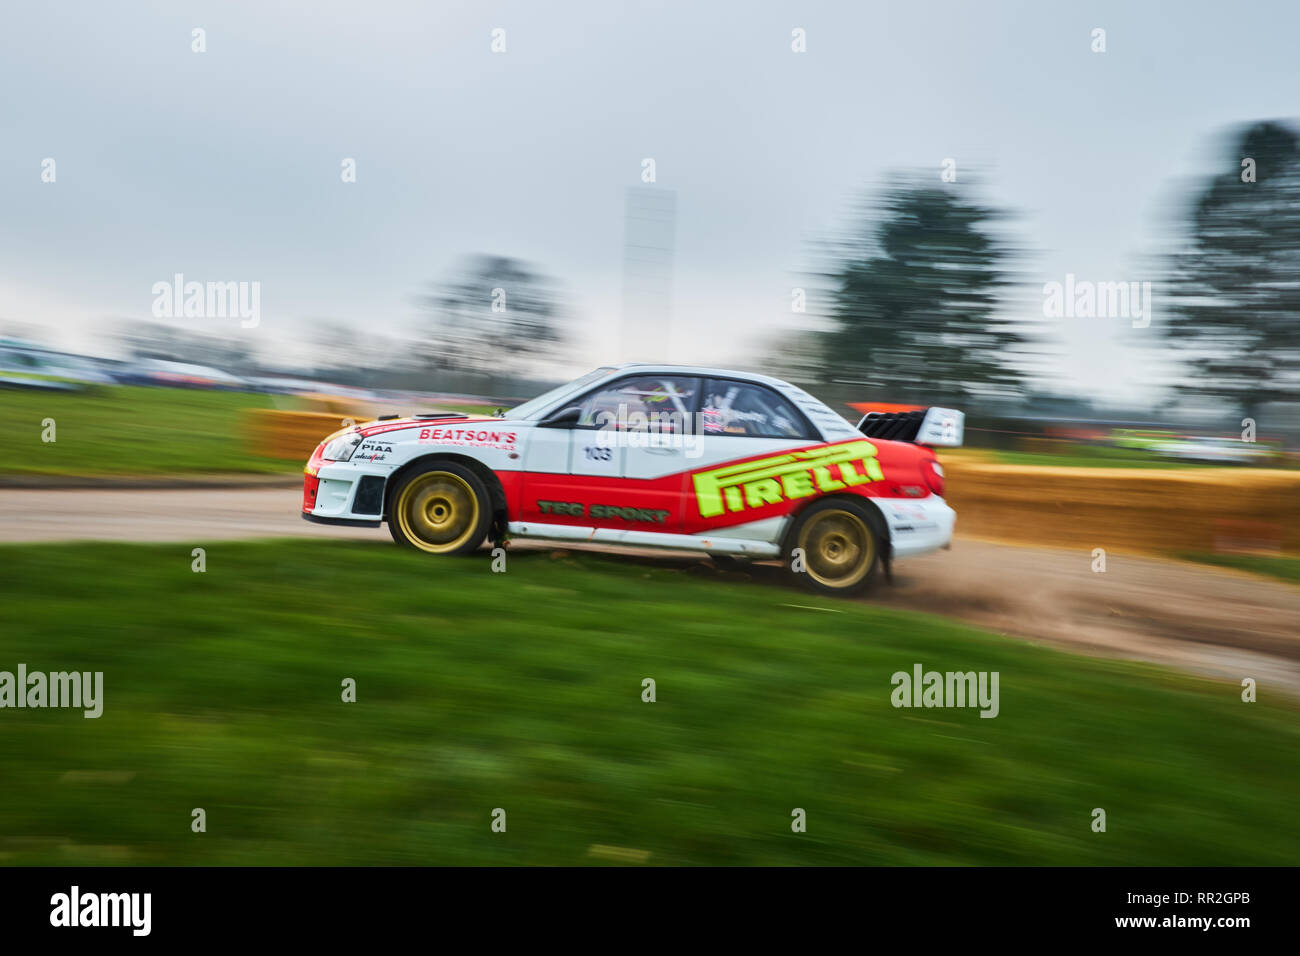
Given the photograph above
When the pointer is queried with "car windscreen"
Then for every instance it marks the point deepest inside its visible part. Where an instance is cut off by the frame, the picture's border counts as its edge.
(534, 406)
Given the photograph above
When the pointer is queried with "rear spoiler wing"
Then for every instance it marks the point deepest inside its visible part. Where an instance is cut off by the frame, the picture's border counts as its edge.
(941, 427)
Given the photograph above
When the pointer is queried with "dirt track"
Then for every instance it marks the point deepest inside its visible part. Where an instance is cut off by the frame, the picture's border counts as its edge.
(1204, 620)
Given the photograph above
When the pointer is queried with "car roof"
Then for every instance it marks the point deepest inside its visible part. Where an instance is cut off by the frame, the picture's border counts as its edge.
(703, 370)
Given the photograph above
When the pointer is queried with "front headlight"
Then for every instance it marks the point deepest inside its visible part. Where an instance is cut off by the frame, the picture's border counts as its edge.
(341, 448)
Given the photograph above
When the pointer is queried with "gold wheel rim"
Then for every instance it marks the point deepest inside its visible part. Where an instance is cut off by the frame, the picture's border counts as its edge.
(838, 548)
(437, 511)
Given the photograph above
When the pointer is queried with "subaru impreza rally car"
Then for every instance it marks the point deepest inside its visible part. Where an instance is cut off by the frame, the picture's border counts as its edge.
(731, 464)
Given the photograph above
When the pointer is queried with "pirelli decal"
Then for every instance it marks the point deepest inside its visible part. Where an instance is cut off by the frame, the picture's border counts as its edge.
(785, 477)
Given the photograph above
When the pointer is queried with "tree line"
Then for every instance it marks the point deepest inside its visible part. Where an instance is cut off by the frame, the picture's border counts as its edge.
(913, 297)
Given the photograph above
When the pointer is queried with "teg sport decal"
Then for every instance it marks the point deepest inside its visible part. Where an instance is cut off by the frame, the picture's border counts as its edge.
(780, 478)
(576, 510)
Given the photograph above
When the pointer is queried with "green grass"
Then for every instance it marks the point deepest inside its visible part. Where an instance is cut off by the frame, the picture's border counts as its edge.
(1283, 567)
(1090, 456)
(130, 430)
(523, 691)
(1099, 456)
(36, 376)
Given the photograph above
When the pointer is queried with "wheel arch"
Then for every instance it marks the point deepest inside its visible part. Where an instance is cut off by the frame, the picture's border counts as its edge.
(792, 522)
(485, 474)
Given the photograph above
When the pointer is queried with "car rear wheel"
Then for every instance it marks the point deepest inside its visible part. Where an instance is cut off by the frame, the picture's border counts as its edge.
(441, 508)
(835, 546)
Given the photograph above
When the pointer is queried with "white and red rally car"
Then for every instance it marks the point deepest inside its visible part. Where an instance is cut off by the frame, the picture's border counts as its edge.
(728, 463)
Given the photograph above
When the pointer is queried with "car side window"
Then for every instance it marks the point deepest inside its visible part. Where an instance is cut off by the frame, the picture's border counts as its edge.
(745, 408)
(659, 403)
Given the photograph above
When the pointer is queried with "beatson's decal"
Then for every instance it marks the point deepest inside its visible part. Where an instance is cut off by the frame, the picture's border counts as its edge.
(784, 477)
(469, 437)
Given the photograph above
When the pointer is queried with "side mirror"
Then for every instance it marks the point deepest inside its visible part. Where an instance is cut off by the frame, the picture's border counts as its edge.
(566, 418)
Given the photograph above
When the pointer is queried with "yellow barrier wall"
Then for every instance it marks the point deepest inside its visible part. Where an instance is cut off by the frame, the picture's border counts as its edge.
(291, 435)
(1134, 509)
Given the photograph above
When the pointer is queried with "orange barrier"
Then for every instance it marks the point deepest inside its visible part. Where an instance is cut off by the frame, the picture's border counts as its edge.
(291, 435)
(1128, 509)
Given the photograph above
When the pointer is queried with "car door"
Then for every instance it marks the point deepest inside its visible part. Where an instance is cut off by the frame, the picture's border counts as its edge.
(625, 466)
(656, 414)
(739, 421)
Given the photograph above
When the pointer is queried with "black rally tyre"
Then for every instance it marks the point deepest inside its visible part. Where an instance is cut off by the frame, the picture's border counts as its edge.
(840, 545)
(440, 508)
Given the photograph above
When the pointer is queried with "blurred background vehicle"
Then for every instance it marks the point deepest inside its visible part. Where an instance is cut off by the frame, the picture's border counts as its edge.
(177, 375)
(26, 365)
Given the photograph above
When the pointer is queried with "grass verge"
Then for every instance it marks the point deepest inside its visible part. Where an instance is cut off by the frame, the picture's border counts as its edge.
(523, 691)
(130, 430)
(1281, 566)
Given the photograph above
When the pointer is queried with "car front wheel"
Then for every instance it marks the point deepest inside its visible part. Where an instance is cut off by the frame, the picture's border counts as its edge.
(441, 508)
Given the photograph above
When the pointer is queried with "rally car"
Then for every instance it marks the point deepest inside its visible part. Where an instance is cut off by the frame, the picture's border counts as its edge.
(731, 464)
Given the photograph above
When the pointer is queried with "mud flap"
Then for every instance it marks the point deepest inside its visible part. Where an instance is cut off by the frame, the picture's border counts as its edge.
(497, 531)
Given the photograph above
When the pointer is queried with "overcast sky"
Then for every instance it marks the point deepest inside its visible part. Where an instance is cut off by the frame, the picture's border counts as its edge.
(225, 165)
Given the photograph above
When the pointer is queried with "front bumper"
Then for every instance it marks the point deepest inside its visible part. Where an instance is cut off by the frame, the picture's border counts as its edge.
(343, 493)
(917, 525)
